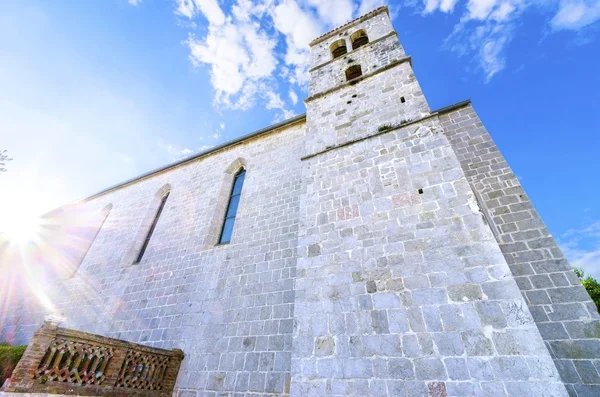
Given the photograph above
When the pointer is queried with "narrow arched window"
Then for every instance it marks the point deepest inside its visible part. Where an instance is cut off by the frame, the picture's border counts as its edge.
(93, 222)
(359, 39)
(338, 48)
(152, 227)
(232, 207)
(353, 72)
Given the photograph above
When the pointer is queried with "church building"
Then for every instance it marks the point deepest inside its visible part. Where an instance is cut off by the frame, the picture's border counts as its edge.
(370, 247)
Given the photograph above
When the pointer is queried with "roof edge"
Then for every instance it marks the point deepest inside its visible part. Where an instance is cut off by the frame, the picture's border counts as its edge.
(224, 145)
(198, 155)
(345, 26)
(452, 107)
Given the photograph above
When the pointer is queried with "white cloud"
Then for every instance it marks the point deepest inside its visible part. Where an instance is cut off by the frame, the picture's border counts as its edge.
(484, 31)
(575, 14)
(488, 26)
(288, 114)
(222, 125)
(186, 8)
(210, 9)
(431, 6)
(240, 54)
(275, 102)
(134, 2)
(582, 248)
(370, 5)
(492, 59)
(216, 135)
(299, 27)
(244, 10)
(293, 97)
(480, 9)
(173, 151)
(443, 5)
(241, 46)
(333, 12)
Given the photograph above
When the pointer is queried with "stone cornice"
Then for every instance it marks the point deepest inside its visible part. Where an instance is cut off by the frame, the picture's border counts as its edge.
(263, 131)
(434, 113)
(349, 25)
(376, 134)
(360, 78)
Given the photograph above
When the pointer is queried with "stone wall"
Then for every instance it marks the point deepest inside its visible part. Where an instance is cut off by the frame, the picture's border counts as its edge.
(562, 309)
(389, 94)
(401, 288)
(389, 97)
(371, 57)
(230, 307)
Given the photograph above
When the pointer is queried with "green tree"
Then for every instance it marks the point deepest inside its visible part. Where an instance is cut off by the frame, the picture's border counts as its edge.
(3, 160)
(9, 357)
(591, 285)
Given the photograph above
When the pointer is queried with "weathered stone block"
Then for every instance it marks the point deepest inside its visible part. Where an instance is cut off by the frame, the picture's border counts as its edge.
(401, 368)
(464, 293)
(429, 368)
(477, 344)
(576, 349)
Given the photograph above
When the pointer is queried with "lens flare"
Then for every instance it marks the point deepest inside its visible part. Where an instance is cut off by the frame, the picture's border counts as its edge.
(18, 228)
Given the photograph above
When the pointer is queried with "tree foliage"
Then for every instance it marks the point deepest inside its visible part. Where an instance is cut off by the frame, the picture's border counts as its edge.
(3, 160)
(9, 357)
(591, 285)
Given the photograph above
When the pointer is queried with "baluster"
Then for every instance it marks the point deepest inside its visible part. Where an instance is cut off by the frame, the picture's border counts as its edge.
(60, 360)
(25, 372)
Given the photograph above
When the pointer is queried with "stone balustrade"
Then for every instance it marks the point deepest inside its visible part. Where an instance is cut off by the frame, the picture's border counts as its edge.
(64, 361)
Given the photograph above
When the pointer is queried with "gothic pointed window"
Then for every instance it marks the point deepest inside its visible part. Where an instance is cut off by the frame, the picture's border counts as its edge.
(359, 39)
(353, 72)
(92, 227)
(152, 227)
(232, 207)
(338, 48)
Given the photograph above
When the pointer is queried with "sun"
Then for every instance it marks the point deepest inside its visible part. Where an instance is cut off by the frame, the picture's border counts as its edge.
(19, 227)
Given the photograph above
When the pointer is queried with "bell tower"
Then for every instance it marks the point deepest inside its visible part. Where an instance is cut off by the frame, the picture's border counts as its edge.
(401, 288)
(361, 80)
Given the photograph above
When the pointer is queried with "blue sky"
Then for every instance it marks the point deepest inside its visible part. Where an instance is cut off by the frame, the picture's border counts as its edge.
(95, 92)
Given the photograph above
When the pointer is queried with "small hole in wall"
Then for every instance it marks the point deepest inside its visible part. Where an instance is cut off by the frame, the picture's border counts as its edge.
(420, 191)
(349, 102)
(354, 96)
(402, 99)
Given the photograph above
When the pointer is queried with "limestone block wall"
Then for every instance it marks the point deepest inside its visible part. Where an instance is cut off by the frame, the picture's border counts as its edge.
(389, 97)
(562, 309)
(230, 308)
(401, 288)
